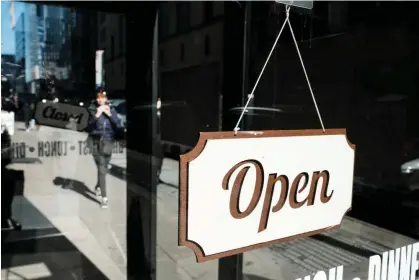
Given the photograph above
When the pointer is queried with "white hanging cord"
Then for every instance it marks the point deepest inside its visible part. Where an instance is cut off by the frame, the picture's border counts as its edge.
(237, 128)
(305, 73)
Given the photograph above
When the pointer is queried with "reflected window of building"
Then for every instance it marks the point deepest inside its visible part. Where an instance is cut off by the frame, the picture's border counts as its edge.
(207, 45)
(208, 11)
(182, 52)
(163, 21)
(39, 10)
(183, 16)
(162, 57)
(103, 34)
(121, 34)
(112, 46)
(102, 17)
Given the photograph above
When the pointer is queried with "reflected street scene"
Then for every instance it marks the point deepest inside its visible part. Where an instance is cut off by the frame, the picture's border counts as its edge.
(64, 189)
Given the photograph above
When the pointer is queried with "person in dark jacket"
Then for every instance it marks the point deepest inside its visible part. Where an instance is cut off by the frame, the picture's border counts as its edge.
(103, 124)
(8, 183)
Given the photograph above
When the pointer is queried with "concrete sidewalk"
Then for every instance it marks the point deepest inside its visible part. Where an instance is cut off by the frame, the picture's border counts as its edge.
(100, 234)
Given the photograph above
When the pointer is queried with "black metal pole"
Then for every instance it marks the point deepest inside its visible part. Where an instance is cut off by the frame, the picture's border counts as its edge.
(155, 87)
(141, 77)
(235, 89)
(231, 268)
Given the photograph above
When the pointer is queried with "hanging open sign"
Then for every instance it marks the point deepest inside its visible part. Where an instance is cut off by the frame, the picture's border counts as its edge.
(250, 190)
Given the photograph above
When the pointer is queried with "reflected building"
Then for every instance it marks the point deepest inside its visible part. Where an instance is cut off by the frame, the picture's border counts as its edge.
(43, 29)
(20, 47)
(34, 44)
(191, 58)
(191, 44)
(191, 34)
(82, 46)
(111, 39)
(55, 29)
(8, 74)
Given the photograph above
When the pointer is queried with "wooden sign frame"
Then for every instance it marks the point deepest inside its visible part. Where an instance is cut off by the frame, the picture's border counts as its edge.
(183, 186)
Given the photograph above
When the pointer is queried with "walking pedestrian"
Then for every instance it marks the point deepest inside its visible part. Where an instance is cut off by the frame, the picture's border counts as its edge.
(103, 124)
(8, 182)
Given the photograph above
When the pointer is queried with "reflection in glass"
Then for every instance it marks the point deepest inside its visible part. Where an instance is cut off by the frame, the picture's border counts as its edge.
(52, 224)
(363, 68)
(356, 89)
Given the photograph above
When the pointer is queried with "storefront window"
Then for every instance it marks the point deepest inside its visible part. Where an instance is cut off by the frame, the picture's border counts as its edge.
(350, 94)
(182, 76)
(337, 51)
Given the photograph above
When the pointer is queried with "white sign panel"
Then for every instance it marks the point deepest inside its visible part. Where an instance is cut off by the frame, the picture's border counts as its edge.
(62, 115)
(243, 192)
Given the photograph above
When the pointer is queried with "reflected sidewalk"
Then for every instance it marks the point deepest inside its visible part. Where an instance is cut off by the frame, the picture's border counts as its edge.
(104, 231)
(95, 234)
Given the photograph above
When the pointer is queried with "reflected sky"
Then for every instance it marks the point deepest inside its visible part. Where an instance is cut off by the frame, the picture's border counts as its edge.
(7, 34)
